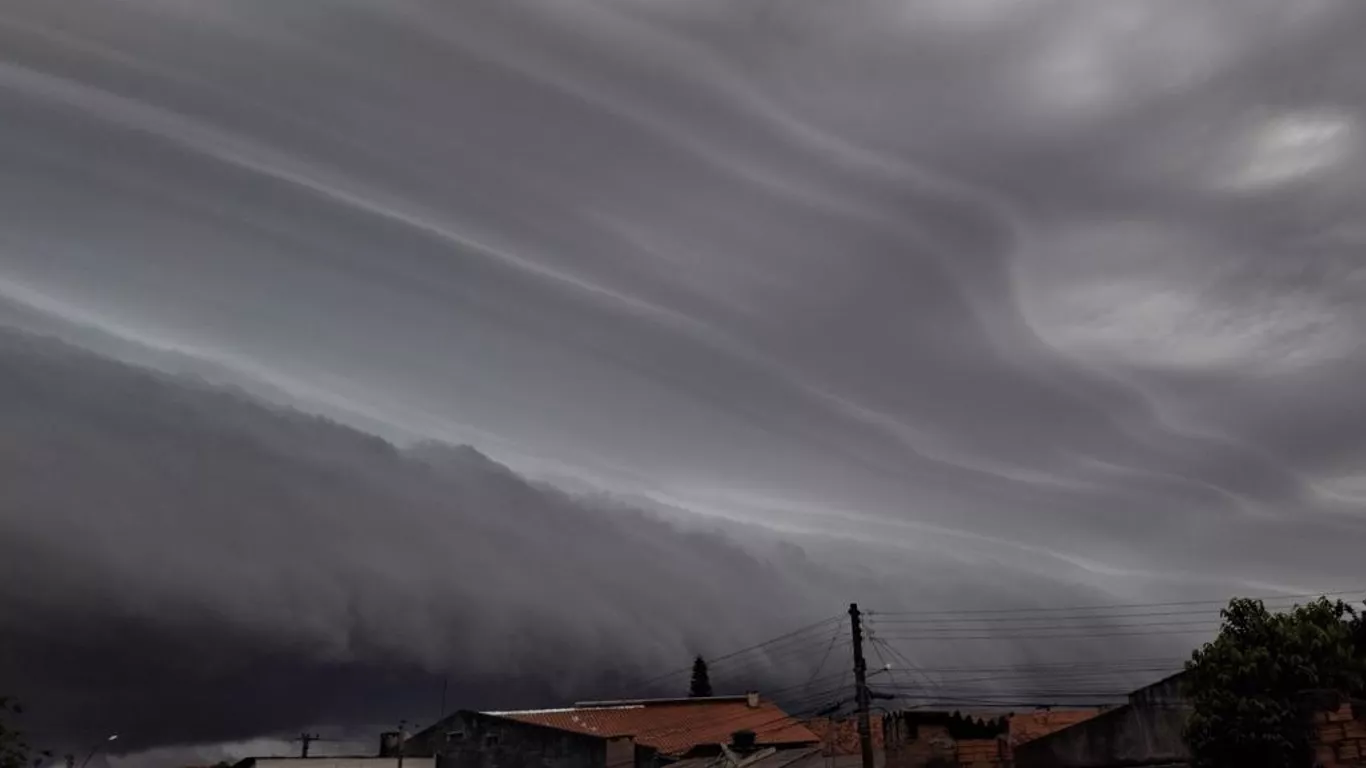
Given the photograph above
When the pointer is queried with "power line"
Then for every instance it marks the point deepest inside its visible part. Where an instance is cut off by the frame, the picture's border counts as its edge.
(1054, 636)
(1010, 704)
(1059, 665)
(1044, 622)
(798, 639)
(919, 671)
(771, 641)
(877, 651)
(976, 620)
(767, 668)
(773, 692)
(1119, 606)
(773, 654)
(762, 664)
(826, 656)
(1071, 677)
(1090, 622)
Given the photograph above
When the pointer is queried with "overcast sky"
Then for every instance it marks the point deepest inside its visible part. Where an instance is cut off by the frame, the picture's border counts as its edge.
(1061, 294)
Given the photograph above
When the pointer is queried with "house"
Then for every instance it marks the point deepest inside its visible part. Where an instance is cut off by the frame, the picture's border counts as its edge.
(915, 739)
(675, 727)
(469, 739)
(1146, 731)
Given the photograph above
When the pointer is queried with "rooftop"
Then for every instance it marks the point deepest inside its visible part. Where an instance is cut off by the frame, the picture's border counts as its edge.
(674, 726)
(1028, 726)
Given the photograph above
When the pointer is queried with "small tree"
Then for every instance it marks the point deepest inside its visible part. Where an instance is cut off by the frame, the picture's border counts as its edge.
(1249, 688)
(701, 683)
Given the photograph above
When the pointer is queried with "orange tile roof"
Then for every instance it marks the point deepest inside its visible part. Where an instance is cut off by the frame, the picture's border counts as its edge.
(840, 736)
(1032, 725)
(674, 726)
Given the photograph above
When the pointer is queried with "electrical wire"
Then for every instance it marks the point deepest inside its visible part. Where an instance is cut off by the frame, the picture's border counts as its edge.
(915, 668)
(1055, 635)
(1141, 660)
(771, 641)
(834, 636)
(1119, 606)
(1074, 684)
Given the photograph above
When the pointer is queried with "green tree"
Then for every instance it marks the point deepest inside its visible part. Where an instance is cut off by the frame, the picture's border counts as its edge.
(701, 682)
(1250, 689)
(15, 751)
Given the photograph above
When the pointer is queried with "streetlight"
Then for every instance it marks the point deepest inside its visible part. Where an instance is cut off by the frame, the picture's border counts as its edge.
(97, 747)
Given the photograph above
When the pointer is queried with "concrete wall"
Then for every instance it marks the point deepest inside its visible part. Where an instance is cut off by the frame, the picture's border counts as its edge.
(1131, 735)
(1148, 731)
(1028, 726)
(621, 753)
(1164, 692)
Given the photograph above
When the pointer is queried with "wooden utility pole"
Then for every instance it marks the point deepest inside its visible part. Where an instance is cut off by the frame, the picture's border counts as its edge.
(861, 697)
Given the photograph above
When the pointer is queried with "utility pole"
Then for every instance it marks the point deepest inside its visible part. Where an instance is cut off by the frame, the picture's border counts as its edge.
(402, 737)
(861, 697)
(305, 741)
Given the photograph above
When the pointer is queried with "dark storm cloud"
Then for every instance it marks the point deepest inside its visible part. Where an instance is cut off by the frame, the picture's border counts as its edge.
(186, 565)
(1072, 288)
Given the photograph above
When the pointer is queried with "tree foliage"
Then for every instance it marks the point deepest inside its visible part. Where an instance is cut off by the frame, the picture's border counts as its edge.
(1251, 689)
(15, 751)
(701, 682)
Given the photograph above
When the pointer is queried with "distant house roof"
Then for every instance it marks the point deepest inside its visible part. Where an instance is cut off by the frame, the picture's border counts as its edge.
(674, 726)
(1032, 725)
(839, 736)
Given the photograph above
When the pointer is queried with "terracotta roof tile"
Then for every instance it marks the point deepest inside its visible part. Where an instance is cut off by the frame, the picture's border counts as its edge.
(675, 726)
(1032, 725)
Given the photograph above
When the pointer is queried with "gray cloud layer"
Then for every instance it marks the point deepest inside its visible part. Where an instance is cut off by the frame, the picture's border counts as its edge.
(183, 563)
(1071, 288)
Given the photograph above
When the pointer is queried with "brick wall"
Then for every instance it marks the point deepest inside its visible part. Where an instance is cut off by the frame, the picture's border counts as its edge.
(1340, 738)
(839, 736)
(934, 747)
(983, 753)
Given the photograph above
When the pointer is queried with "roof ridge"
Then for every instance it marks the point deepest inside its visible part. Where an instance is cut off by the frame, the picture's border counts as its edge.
(560, 710)
(646, 702)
